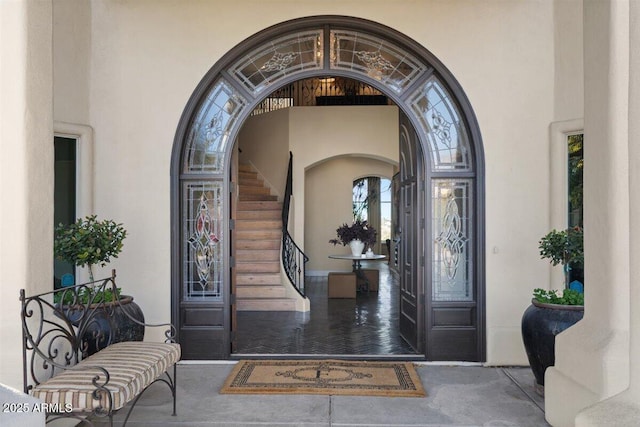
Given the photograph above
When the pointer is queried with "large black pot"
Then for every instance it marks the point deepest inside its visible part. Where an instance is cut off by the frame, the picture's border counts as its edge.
(540, 325)
(100, 325)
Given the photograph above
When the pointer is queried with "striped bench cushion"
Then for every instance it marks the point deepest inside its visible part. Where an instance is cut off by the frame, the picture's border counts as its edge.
(132, 366)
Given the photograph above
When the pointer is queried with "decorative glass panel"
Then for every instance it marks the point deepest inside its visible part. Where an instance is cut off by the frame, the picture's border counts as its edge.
(375, 58)
(281, 57)
(202, 236)
(210, 130)
(443, 127)
(452, 240)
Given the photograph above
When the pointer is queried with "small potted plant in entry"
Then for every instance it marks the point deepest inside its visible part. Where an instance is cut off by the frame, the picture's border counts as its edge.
(357, 235)
(88, 242)
(550, 313)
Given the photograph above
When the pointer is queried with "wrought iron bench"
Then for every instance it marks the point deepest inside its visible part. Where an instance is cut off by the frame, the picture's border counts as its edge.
(62, 328)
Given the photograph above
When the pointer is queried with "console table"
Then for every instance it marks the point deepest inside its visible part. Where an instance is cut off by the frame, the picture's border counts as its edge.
(357, 266)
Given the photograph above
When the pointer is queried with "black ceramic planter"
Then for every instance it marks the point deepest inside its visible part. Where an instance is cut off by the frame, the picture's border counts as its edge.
(540, 325)
(102, 324)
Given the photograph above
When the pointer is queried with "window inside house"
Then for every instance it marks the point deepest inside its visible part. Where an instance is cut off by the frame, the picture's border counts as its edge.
(385, 209)
(64, 200)
(372, 203)
(361, 199)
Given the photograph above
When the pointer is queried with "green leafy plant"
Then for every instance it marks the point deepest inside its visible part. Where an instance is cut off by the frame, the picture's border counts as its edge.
(568, 297)
(360, 230)
(88, 242)
(87, 295)
(564, 247)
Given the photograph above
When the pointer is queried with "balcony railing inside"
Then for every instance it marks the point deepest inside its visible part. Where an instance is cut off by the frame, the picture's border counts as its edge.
(322, 92)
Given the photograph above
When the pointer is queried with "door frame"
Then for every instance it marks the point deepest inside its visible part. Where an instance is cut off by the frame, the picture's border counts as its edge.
(428, 66)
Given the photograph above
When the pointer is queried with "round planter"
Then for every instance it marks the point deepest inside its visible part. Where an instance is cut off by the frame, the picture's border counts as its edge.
(540, 325)
(100, 325)
(357, 246)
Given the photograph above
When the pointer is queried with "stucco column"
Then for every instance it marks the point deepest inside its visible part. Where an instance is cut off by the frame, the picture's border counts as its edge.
(26, 168)
(592, 357)
(624, 408)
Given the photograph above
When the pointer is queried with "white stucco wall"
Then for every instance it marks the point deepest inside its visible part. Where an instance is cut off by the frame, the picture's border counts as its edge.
(71, 61)
(26, 169)
(146, 58)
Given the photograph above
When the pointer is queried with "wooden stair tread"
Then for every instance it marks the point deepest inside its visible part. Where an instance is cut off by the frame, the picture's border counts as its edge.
(258, 224)
(259, 215)
(275, 234)
(243, 197)
(258, 244)
(266, 304)
(255, 279)
(250, 182)
(258, 205)
(248, 255)
(253, 189)
(260, 291)
(257, 267)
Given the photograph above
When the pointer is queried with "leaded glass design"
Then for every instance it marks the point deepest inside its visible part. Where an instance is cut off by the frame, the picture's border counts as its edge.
(209, 133)
(443, 127)
(452, 240)
(202, 241)
(281, 57)
(374, 57)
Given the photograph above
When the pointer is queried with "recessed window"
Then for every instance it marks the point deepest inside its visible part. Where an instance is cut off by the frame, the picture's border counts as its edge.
(575, 168)
(64, 199)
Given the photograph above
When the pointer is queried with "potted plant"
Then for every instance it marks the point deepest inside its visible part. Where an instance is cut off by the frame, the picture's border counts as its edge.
(88, 241)
(85, 243)
(357, 235)
(550, 313)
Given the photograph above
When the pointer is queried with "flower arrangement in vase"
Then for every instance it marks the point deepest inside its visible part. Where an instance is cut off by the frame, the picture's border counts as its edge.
(360, 233)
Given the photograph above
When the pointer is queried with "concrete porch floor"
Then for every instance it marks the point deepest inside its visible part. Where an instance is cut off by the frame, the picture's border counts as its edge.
(456, 396)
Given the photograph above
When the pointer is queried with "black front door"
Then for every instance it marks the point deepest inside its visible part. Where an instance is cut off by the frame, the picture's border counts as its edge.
(411, 237)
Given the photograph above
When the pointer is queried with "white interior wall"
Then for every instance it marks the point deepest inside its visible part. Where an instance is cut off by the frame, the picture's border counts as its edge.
(350, 142)
(264, 141)
(317, 134)
(328, 204)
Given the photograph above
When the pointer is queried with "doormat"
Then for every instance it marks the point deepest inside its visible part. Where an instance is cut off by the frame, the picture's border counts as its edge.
(332, 377)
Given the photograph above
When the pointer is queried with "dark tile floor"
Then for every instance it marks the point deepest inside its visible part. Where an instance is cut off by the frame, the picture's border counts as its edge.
(366, 325)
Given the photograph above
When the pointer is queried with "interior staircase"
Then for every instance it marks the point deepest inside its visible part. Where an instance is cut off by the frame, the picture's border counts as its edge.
(258, 239)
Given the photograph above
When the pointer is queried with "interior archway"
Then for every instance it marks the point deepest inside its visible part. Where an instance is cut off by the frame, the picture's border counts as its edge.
(446, 130)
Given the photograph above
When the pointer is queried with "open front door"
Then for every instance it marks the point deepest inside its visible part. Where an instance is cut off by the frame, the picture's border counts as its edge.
(411, 232)
(234, 197)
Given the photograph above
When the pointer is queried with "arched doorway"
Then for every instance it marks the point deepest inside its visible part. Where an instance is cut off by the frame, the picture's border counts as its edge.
(447, 287)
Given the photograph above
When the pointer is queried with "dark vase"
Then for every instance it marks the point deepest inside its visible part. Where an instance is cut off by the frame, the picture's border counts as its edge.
(110, 323)
(540, 325)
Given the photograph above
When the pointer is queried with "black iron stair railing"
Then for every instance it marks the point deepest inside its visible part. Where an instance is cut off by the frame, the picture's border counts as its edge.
(293, 259)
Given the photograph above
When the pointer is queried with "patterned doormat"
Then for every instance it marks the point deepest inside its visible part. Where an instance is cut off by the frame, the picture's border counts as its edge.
(333, 377)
